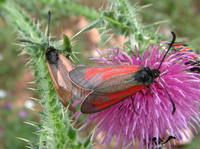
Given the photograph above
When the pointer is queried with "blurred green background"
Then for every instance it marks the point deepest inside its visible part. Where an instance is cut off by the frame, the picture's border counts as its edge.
(16, 106)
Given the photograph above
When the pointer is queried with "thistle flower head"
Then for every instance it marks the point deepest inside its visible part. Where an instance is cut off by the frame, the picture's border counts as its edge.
(148, 113)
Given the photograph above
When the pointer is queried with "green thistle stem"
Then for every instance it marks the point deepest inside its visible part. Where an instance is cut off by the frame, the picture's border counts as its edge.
(56, 131)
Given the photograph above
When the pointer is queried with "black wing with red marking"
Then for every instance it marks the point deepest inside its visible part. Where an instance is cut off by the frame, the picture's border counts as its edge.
(110, 85)
(115, 78)
(185, 49)
(98, 101)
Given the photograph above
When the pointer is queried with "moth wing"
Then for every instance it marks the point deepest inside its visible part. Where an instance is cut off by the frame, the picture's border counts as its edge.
(104, 78)
(67, 84)
(98, 101)
(62, 83)
(53, 74)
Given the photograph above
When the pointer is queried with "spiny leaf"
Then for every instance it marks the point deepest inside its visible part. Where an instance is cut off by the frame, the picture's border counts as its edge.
(88, 27)
(67, 45)
(72, 133)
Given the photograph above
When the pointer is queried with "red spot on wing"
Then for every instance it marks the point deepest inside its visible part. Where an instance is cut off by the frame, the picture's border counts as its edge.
(178, 44)
(123, 70)
(117, 96)
(101, 105)
(185, 49)
(190, 53)
(93, 71)
(130, 91)
(110, 71)
(177, 47)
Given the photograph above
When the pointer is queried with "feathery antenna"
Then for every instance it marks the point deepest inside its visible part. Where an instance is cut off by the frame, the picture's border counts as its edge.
(172, 42)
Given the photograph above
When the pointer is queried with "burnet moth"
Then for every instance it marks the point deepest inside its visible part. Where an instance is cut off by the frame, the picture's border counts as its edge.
(184, 48)
(110, 85)
(59, 66)
(193, 58)
(159, 143)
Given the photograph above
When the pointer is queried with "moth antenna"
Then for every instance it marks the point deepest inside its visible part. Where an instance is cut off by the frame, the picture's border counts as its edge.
(48, 32)
(168, 139)
(48, 27)
(172, 42)
(170, 98)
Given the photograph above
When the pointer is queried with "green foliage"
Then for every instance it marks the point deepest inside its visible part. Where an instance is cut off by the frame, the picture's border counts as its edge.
(67, 45)
(10, 66)
(11, 127)
(65, 7)
(121, 17)
(55, 131)
(182, 17)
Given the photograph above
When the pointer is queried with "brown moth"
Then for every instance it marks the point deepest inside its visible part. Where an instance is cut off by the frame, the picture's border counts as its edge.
(59, 67)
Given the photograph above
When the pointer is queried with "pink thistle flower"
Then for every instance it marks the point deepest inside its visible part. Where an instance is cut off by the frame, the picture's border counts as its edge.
(148, 113)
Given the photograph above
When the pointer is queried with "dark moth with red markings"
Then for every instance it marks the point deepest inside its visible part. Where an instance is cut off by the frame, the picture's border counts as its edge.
(184, 48)
(190, 54)
(110, 85)
(59, 66)
(146, 114)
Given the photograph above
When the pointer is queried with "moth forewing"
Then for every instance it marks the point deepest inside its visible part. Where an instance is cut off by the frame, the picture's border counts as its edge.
(63, 85)
(63, 93)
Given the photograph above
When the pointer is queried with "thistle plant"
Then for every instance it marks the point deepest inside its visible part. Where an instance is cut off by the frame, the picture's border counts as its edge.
(55, 129)
(137, 119)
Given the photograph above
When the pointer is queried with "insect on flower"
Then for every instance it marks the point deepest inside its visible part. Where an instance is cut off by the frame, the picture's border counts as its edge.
(146, 114)
(184, 48)
(159, 143)
(193, 58)
(112, 84)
